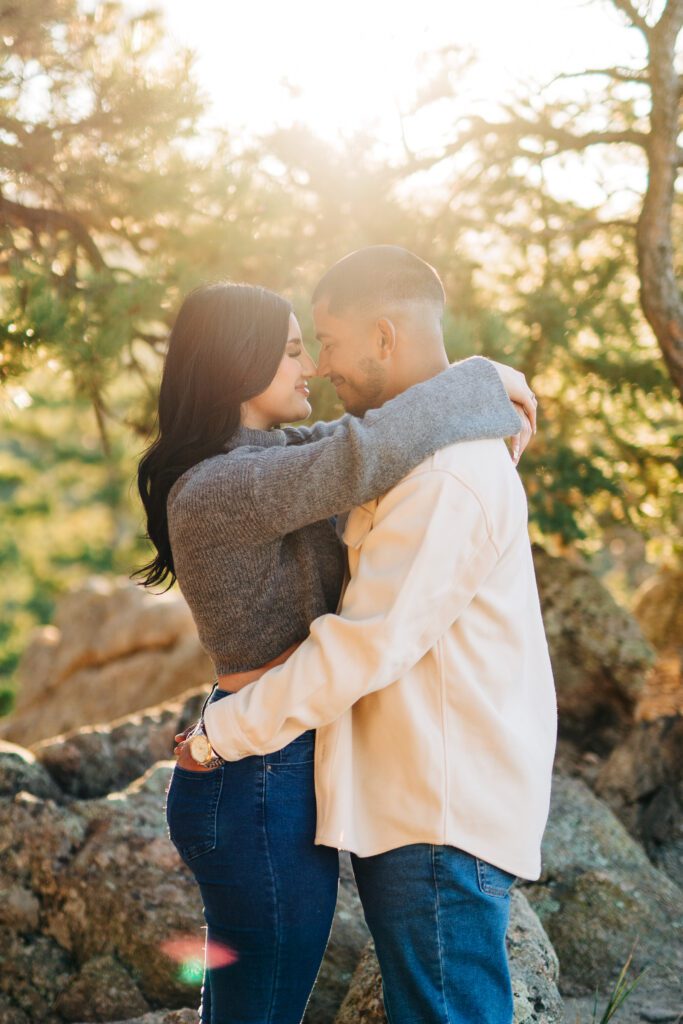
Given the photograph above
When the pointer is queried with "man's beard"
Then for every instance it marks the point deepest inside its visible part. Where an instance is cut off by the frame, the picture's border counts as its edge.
(368, 391)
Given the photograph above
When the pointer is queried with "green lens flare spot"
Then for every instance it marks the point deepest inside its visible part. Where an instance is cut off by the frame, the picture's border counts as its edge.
(191, 972)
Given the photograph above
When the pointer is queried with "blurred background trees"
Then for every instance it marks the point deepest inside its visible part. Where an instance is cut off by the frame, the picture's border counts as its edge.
(116, 198)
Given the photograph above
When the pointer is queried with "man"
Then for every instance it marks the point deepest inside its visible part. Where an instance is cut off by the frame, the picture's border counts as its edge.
(431, 689)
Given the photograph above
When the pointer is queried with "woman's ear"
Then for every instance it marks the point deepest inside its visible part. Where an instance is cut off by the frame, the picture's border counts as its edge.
(386, 337)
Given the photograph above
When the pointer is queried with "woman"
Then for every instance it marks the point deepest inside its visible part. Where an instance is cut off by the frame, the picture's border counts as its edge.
(213, 483)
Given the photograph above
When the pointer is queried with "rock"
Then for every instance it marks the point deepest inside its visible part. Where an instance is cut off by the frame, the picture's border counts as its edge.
(348, 938)
(363, 1003)
(658, 607)
(533, 970)
(108, 891)
(534, 966)
(106, 894)
(19, 770)
(102, 991)
(113, 649)
(600, 657)
(183, 1016)
(33, 971)
(642, 781)
(598, 894)
(96, 760)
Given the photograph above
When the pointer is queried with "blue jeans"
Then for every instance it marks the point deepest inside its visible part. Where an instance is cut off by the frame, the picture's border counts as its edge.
(246, 832)
(438, 916)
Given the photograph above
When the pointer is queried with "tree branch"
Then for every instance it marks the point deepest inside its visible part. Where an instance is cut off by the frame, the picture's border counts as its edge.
(639, 75)
(520, 128)
(37, 219)
(636, 19)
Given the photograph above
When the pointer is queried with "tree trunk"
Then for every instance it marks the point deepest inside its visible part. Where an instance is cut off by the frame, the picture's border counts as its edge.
(659, 292)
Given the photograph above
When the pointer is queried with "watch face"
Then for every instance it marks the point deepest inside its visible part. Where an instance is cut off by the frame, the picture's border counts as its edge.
(200, 748)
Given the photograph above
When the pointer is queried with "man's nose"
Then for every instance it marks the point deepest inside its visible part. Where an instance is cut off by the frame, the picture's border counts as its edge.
(322, 370)
(309, 367)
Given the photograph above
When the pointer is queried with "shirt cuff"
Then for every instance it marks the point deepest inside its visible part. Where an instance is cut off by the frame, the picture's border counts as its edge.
(223, 731)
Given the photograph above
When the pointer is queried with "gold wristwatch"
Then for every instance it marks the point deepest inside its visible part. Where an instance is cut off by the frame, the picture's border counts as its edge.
(201, 750)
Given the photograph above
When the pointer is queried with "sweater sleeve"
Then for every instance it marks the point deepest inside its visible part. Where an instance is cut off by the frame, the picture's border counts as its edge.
(316, 431)
(293, 486)
(307, 434)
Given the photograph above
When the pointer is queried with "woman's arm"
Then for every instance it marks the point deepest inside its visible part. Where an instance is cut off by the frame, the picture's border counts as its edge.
(286, 488)
(513, 380)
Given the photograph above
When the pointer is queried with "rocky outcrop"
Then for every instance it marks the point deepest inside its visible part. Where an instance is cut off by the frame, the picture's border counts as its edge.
(658, 607)
(101, 919)
(599, 654)
(642, 781)
(96, 760)
(184, 1016)
(93, 903)
(533, 967)
(113, 649)
(597, 896)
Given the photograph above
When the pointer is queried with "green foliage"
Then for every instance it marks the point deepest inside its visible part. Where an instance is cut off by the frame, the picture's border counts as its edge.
(620, 992)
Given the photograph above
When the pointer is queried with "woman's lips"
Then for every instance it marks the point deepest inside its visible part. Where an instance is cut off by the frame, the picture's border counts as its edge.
(304, 390)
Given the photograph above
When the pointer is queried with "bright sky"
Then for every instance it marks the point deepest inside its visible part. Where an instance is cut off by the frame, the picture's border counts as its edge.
(339, 67)
(350, 62)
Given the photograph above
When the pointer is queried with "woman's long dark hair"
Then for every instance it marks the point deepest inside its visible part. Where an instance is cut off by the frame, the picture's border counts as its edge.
(224, 348)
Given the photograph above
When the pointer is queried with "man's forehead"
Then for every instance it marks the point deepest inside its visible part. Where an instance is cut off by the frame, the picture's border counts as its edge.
(332, 323)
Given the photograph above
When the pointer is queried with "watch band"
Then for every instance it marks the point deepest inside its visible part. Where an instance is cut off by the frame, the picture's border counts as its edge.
(216, 760)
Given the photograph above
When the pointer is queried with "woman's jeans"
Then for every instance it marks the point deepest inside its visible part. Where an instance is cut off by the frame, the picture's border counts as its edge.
(246, 831)
(438, 916)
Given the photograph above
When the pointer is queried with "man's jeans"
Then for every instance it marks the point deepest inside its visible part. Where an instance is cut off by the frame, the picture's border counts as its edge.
(438, 916)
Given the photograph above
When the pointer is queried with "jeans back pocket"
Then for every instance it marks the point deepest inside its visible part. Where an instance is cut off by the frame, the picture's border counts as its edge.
(192, 809)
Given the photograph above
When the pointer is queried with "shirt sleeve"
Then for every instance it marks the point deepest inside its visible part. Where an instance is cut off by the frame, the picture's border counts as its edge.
(420, 565)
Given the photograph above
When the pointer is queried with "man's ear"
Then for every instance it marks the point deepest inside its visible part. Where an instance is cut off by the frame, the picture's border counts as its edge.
(386, 337)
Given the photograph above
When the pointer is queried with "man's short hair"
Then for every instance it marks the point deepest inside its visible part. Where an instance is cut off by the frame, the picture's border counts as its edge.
(379, 275)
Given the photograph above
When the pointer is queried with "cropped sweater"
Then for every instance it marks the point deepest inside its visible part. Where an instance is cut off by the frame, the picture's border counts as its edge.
(252, 529)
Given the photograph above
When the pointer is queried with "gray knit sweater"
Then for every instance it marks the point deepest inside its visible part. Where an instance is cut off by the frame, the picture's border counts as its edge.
(252, 531)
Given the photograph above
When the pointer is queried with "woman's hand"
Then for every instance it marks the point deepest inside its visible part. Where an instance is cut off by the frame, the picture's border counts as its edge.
(521, 440)
(182, 752)
(518, 392)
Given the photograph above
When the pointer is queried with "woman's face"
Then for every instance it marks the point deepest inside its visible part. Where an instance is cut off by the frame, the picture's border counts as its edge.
(286, 397)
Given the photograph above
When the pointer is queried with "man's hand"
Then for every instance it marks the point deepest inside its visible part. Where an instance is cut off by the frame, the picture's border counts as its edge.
(518, 392)
(521, 440)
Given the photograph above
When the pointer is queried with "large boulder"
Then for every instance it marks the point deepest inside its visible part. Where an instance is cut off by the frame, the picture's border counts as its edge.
(642, 781)
(113, 648)
(533, 969)
(658, 607)
(600, 657)
(91, 905)
(184, 1016)
(348, 938)
(101, 919)
(95, 760)
(598, 895)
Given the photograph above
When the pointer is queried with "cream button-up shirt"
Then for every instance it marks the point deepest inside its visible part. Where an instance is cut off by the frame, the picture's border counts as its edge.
(431, 690)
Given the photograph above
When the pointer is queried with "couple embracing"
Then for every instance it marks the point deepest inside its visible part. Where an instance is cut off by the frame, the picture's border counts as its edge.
(366, 591)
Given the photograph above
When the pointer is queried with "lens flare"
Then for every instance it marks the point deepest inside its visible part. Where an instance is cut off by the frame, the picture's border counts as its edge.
(191, 953)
